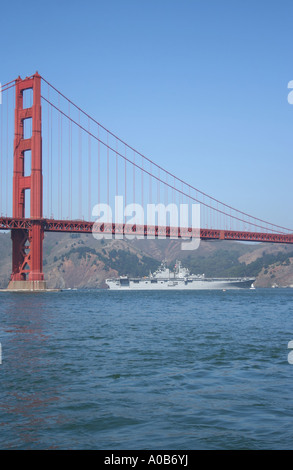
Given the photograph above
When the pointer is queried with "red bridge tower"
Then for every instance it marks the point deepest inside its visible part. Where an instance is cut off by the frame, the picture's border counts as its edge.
(27, 244)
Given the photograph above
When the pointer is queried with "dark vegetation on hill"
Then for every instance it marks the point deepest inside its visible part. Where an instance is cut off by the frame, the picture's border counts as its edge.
(74, 260)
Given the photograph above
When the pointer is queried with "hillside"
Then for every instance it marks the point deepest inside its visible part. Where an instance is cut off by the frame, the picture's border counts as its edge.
(74, 260)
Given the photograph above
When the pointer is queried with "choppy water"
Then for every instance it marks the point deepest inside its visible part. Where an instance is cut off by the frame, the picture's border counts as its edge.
(146, 370)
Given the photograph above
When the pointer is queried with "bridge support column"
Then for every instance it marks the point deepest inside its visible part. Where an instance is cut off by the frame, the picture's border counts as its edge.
(27, 245)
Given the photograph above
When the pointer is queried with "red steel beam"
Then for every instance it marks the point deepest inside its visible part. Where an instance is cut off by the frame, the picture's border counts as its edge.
(81, 226)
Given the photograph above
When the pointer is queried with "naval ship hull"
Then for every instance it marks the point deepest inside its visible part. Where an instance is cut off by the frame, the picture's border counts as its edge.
(178, 279)
(169, 284)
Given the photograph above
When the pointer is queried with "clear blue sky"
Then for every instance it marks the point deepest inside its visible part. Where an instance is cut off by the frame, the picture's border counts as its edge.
(199, 86)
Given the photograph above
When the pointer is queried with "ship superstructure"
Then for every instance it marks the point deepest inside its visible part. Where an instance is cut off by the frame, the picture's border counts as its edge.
(178, 279)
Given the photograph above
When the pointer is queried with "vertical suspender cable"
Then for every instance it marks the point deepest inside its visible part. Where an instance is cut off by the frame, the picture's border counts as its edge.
(69, 150)
(99, 166)
(79, 169)
(133, 177)
(48, 157)
(7, 152)
(51, 158)
(116, 169)
(108, 191)
(59, 157)
(125, 183)
(142, 195)
(89, 172)
(61, 187)
(1, 158)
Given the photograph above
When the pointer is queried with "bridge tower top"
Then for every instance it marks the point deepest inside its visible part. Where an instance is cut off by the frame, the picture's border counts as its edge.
(22, 145)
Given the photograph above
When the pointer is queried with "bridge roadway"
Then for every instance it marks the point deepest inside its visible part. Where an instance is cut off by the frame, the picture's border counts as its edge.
(110, 229)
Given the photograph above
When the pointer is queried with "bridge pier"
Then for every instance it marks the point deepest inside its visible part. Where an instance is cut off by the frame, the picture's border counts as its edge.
(27, 286)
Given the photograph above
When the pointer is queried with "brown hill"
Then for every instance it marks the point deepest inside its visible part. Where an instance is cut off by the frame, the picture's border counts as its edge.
(73, 260)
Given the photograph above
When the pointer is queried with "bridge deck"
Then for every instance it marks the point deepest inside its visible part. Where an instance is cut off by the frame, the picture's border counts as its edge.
(112, 229)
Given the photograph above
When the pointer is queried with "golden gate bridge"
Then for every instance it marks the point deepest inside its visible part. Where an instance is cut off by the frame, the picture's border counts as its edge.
(62, 163)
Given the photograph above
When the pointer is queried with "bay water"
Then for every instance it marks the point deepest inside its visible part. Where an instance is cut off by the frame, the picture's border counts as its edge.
(98, 369)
